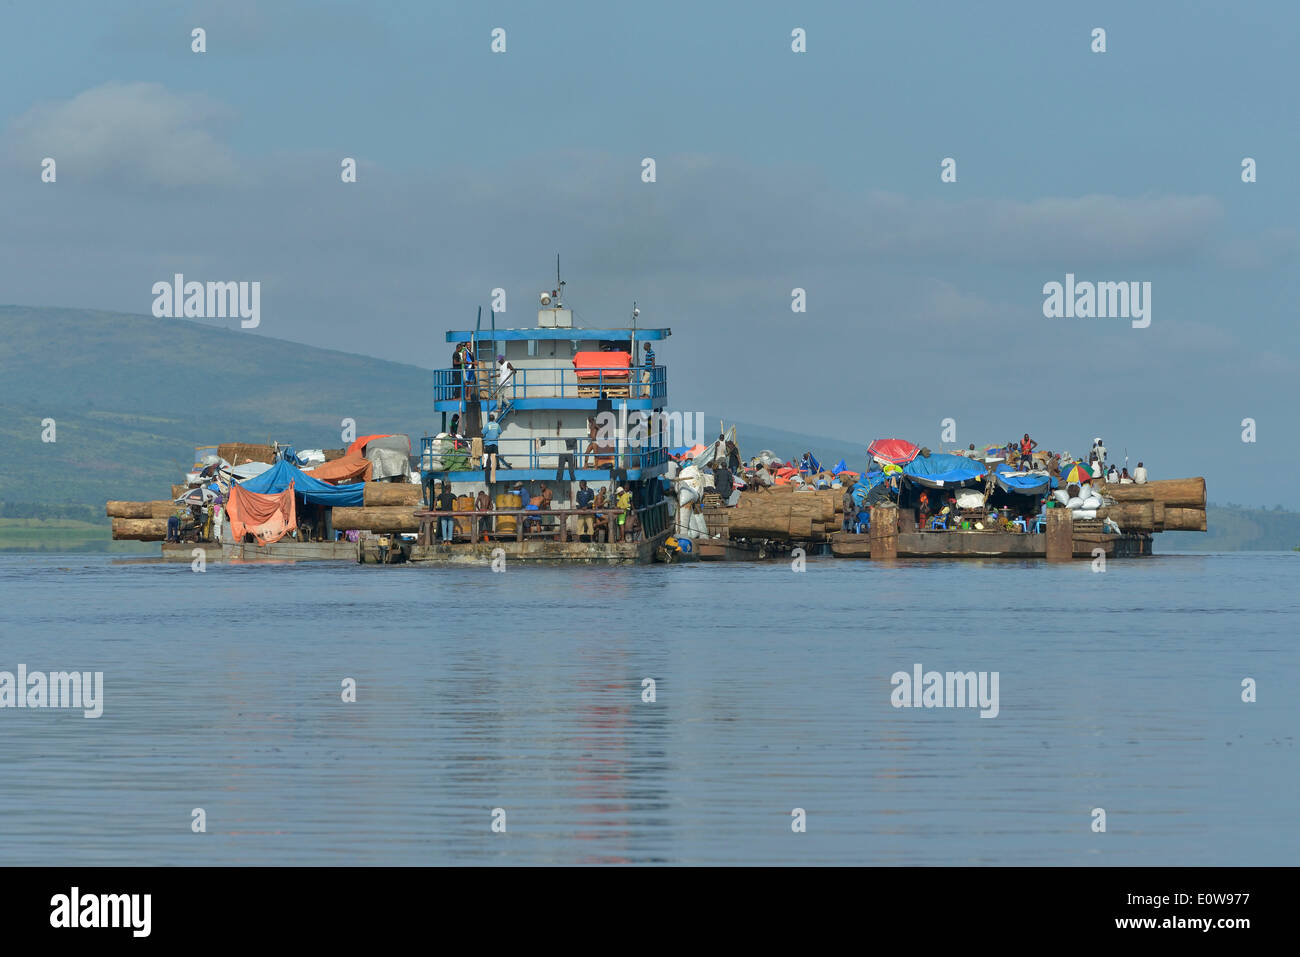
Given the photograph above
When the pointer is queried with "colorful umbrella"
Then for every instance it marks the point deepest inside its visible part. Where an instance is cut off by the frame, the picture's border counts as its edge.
(897, 451)
(1075, 474)
(196, 496)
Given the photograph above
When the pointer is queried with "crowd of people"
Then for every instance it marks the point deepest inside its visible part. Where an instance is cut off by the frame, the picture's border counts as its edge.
(603, 516)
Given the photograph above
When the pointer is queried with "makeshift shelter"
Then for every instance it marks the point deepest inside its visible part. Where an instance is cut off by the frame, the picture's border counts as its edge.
(283, 475)
(895, 451)
(267, 517)
(941, 469)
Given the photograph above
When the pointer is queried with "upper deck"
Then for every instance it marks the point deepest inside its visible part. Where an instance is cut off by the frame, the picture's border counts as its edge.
(543, 374)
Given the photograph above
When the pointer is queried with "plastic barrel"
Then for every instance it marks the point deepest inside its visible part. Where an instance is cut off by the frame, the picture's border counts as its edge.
(464, 526)
(506, 523)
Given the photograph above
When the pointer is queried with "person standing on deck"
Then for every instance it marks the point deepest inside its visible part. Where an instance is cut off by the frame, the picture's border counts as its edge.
(648, 374)
(483, 505)
(723, 482)
(623, 499)
(850, 509)
(491, 441)
(600, 503)
(456, 359)
(1027, 446)
(567, 457)
(446, 503)
(504, 373)
(585, 497)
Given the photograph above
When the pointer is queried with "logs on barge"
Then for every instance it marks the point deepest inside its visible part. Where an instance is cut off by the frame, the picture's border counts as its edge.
(1167, 505)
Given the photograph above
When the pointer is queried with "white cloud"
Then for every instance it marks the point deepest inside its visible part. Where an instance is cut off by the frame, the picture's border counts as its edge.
(133, 134)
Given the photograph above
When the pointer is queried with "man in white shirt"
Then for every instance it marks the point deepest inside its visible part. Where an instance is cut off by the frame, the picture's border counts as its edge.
(1112, 477)
(504, 371)
(1140, 474)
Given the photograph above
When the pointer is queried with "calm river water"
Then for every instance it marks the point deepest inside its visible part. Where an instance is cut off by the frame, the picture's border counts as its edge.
(523, 691)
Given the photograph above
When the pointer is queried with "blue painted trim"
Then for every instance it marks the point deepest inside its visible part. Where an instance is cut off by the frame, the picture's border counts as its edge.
(547, 333)
(452, 405)
(530, 475)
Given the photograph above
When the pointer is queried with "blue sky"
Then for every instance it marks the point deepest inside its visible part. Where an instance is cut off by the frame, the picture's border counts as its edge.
(775, 170)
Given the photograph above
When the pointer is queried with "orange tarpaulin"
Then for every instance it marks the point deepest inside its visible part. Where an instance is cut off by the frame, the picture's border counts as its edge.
(350, 468)
(592, 365)
(356, 447)
(268, 517)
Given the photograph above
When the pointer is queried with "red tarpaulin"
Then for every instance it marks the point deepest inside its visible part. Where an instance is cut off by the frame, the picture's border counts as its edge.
(592, 365)
(268, 517)
(898, 451)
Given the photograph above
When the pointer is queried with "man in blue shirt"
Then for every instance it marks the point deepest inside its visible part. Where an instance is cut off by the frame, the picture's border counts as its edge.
(491, 438)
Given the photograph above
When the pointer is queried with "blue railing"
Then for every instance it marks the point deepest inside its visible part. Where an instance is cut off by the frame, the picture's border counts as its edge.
(558, 382)
(441, 455)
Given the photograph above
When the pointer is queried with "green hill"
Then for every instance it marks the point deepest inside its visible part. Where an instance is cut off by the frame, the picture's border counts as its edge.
(132, 396)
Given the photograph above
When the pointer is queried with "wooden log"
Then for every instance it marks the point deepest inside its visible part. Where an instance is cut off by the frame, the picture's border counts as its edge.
(1133, 516)
(140, 529)
(779, 517)
(388, 518)
(1184, 520)
(1179, 493)
(138, 509)
(332, 454)
(1159, 510)
(391, 493)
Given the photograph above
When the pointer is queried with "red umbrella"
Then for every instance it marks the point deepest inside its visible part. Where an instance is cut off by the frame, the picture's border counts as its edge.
(897, 451)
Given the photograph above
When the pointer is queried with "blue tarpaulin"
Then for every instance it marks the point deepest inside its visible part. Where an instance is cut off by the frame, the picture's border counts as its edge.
(840, 466)
(940, 470)
(278, 476)
(1024, 484)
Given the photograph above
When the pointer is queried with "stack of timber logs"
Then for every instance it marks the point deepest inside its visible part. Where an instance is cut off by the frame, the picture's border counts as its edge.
(240, 453)
(139, 521)
(783, 514)
(1168, 505)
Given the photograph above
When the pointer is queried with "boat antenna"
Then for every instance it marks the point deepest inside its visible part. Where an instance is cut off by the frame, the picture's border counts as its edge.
(559, 284)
